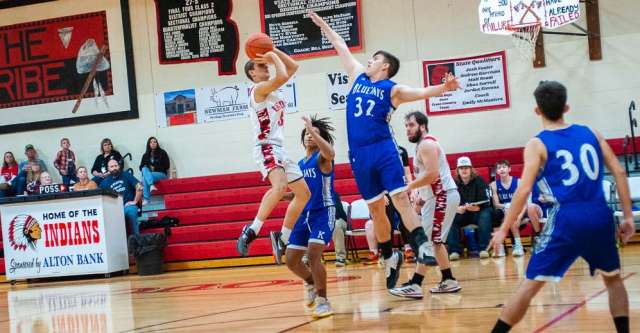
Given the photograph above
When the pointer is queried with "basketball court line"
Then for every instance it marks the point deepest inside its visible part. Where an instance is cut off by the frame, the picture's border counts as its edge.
(572, 309)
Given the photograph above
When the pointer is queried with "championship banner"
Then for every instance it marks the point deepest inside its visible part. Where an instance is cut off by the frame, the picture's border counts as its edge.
(199, 30)
(483, 81)
(292, 31)
(62, 237)
(65, 70)
(337, 90)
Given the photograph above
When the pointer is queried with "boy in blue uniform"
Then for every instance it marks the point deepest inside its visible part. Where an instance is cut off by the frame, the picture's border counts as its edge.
(314, 229)
(372, 151)
(567, 162)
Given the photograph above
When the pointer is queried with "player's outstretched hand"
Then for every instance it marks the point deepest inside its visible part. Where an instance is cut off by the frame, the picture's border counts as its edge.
(307, 122)
(451, 82)
(497, 239)
(266, 58)
(317, 19)
(627, 229)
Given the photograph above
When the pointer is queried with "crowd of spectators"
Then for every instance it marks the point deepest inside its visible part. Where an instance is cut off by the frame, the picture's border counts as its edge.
(27, 176)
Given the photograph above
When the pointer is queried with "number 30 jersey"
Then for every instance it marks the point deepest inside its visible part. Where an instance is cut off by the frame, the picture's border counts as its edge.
(369, 109)
(573, 171)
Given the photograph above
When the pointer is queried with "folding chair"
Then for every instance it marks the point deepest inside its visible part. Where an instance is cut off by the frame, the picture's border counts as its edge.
(357, 210)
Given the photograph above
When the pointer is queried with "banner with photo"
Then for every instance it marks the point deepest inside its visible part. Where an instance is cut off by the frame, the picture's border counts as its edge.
(210, 104)
(483, 81)
(337, 90)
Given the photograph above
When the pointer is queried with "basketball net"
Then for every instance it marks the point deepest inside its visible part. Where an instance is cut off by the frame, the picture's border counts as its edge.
(524, 39)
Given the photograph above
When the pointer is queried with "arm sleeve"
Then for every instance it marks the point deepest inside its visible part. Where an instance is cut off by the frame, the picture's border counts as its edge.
(165, 162)
(96, 165)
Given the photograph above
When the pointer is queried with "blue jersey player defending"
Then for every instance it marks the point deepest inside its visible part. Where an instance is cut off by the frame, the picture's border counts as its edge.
(566, 161)
(373, 154)
(313, 230)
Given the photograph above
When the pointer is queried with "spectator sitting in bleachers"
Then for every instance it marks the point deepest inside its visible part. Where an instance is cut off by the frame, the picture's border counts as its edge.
(65, 162)
(502, 190)
(129, 188)
(8, 173)
(20, 182)
(84, 183)
(474, 210)
(32, 157)
(339, 231)
(30, 174)
(154, 166)
(43, 179)
(100, 166)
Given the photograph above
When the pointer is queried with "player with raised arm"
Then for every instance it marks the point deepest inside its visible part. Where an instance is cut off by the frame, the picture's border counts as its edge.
(566, 163)
(267, 114)
(314, 228)
(373, 153)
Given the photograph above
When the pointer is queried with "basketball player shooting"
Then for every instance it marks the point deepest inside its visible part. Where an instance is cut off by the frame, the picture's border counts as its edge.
(267, 114)
(580, 224)
(373, 154)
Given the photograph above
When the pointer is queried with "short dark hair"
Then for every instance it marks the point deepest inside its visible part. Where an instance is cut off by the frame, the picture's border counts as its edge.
(551, 97)
(323, 125)
(249, 66)
(394, 63)
(420, 117)
(503, 162)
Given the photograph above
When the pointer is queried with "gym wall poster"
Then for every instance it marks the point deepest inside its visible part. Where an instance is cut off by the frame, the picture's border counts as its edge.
(70, 64)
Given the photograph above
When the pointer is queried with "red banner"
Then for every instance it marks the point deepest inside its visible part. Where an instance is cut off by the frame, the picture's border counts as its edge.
(48, 61)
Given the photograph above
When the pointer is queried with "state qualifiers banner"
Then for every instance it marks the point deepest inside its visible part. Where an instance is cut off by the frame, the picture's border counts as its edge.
(287, 23)
(483, 79)
(197, 30)
(63, 237)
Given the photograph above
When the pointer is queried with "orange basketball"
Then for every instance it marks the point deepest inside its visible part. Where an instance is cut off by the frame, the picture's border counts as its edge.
(258, 43)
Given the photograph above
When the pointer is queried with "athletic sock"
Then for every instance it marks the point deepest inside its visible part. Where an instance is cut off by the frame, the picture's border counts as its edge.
(446, 274)
(256, 225)
(501, 327)
(285, 233)
(417, 279)
(386, 248)
(517, 241)
(622, 324)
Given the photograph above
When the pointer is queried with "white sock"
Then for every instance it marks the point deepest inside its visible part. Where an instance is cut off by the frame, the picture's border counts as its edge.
(517, 241)
(256, 225)
(286, 232)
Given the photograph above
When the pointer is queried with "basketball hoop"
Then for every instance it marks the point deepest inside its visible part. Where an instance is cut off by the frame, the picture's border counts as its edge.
(524, 39)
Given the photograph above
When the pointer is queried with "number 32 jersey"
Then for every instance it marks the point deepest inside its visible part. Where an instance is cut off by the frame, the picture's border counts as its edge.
(573, 171)
(369, 109)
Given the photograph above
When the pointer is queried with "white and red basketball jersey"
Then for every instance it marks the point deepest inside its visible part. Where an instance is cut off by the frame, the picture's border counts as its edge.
(268, 119)
(445, 181)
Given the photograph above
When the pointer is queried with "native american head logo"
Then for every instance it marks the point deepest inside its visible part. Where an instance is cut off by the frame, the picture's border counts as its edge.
(24, 230)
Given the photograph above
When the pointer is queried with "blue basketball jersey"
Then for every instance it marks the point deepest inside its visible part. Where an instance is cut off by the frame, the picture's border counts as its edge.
(506, 194)
(320, 184)
(369, 109)
(573, 171)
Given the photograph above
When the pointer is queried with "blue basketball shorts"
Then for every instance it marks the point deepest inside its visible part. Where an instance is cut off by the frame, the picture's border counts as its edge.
(584, 230)
(313, 226)
(378, 170)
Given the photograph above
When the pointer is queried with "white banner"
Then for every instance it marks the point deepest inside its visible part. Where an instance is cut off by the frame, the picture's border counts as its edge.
(496, 16)
(63, 237)
(337, 90)
(223, 102)
(483, 81)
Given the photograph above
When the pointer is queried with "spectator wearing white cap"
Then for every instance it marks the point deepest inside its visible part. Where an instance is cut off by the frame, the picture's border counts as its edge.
(474, 210)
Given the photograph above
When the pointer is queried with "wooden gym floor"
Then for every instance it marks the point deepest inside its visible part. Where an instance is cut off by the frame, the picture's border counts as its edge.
(269, 299)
